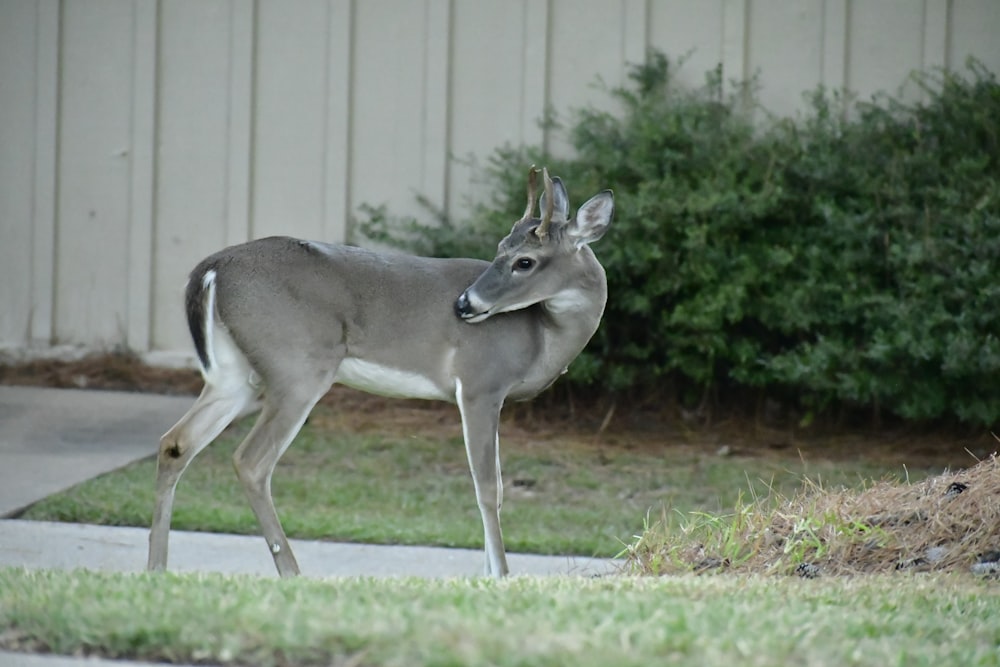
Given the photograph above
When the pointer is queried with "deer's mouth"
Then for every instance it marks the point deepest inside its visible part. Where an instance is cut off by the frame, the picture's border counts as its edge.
(467, 311)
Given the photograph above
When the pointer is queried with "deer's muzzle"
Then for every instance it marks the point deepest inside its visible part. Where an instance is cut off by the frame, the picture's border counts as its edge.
(468, 312)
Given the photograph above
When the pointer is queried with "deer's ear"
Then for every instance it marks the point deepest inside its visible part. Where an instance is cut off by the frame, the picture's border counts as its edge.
(560, 200)
(592, 219)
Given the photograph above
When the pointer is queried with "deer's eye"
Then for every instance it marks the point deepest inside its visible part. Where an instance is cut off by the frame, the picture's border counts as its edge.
(523, 264)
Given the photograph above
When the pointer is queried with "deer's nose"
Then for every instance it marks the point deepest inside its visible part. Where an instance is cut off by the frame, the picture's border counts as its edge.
(470, 309)
(462, 307)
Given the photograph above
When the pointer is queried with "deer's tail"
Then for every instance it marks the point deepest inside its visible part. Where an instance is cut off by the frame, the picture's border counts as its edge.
(200, 306)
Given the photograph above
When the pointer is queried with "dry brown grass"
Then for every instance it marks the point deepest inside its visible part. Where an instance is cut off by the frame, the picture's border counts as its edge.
(945, 522)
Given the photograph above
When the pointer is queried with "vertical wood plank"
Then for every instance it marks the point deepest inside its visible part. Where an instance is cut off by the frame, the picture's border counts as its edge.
(388, 105)
(885, 46)
(585, 47)
(488, 97)
(28, 43)
(935, 41)
(337, 131)
(635, 31)
(242, 17)
(94, 176)
(734, 40)
(694, 37)
(44, 193)
(834, 52)
(289, 119)
(18, 32)
(536, 66)
(143, 138)
(437, 97)
(775, 29)
(972, 31)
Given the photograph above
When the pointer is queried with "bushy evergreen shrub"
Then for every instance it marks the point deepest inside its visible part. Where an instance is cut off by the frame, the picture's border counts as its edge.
(848, 257)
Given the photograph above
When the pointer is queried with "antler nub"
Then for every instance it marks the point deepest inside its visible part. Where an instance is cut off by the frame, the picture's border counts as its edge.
(542, 230)
(529, 210)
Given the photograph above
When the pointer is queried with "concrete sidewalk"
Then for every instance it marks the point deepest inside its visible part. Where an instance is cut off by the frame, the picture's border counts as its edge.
(52, 439)
(43, 545)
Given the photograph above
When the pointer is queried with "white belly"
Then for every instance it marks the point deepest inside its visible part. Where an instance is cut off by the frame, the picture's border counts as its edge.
(387, 381)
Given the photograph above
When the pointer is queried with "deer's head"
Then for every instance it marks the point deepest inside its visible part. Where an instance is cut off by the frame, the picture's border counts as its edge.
(542, 260)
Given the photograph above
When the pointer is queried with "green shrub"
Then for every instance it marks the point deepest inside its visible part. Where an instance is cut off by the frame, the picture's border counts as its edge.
(846, 258)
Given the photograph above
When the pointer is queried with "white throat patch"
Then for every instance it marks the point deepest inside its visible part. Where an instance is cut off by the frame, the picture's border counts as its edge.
(570, 299)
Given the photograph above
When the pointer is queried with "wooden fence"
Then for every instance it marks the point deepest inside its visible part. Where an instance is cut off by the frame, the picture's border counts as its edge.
(137, 136)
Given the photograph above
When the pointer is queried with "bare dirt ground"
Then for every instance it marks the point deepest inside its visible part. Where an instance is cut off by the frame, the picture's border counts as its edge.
(648, 426)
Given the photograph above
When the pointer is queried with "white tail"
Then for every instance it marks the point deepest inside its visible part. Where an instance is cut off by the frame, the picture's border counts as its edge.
(279, 320)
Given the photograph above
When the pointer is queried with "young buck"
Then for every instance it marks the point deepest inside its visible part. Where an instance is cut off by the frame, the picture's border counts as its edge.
(281, 320)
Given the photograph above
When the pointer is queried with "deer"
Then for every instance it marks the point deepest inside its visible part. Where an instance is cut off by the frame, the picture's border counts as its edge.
(277, 321)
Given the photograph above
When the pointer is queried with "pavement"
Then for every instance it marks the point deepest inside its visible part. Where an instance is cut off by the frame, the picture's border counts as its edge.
(53, 439)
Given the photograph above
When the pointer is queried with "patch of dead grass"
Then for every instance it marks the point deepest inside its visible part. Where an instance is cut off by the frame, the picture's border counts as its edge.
(945, 522)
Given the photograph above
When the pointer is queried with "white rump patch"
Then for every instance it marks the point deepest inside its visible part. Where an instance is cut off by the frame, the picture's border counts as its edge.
(231, 384)
(387, 381)
(230, 368)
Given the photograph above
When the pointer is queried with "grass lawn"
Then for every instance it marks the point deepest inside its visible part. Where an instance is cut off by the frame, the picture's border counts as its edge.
(402, 478)
(907, 620)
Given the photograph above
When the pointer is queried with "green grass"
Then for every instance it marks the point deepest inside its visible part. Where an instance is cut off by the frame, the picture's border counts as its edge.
(898, 620)
(563, 496)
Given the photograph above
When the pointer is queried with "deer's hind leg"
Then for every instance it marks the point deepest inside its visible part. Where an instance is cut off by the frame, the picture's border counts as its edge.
(286, 407)
(229, 392)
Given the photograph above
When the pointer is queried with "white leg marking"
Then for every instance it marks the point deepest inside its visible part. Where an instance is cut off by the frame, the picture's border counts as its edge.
(499, 477)
(465, 430)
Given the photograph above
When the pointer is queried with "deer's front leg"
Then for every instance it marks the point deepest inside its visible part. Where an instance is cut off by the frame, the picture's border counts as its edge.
(480, 421)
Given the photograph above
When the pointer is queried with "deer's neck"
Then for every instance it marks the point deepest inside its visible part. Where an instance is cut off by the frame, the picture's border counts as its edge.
(570, 320)
(576, 311)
